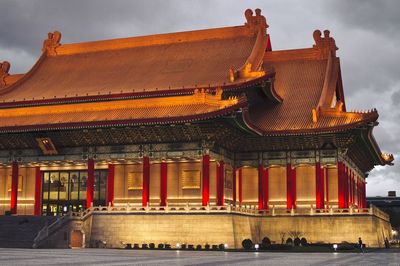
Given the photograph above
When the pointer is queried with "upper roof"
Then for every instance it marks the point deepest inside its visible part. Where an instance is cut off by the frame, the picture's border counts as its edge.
(158, 63)
(305, 95)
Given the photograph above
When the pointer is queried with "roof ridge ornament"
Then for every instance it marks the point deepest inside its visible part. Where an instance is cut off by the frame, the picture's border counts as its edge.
(326, 44)
(255, 22)
(4, 69)
(51, 43)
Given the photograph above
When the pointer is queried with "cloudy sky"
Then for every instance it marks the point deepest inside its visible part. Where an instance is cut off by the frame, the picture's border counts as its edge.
(366, 32)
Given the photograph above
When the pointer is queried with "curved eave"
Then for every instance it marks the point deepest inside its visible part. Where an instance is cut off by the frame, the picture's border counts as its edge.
(380, 157)
(137, 94)
(129, 122)
(369, 118)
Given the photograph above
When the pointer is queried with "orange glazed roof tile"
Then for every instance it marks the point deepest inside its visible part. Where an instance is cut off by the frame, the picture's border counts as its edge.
(199, 106)
(150, 63)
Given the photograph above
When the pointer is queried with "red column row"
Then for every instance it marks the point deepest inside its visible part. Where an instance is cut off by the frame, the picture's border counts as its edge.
(290, 187)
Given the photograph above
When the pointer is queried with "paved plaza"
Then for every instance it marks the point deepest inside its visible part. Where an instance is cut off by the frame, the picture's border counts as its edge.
(156, 257)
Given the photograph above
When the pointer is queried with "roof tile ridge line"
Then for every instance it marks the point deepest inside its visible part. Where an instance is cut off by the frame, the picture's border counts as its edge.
(153, 40)
(8, 89)
(253, 65)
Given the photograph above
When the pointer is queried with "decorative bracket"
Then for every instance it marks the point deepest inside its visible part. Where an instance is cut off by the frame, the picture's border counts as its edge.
(51, 43)
(326, 45)
(4, 68)
(255, 22)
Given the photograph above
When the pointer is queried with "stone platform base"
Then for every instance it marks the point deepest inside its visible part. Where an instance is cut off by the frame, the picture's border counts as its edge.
(117, 229)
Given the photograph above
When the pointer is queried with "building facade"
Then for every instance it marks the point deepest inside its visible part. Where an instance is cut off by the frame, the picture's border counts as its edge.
(211, 117)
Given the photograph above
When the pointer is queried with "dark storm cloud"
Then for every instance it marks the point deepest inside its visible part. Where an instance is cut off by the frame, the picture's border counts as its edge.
(366, 33)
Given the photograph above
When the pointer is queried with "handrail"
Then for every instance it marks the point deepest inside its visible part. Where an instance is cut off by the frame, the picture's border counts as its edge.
(251, 210)
(47, 230)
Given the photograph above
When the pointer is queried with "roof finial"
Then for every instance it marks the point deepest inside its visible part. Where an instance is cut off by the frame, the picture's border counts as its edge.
(51, 43)
(255, 22)
(326, 44)
(4, 68)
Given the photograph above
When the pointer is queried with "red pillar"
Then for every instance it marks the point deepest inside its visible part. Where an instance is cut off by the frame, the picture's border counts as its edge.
(364, 202)
(38, 191)
(319, 182)
(220, 183)
(146, 181)
(240, 186)
(14, 188)
(163, 183)
(326, 187)
(358, 193)
(265, 188)
(260, 187)
(345, 191)
(341, 189)
(90, 183)
(110, 184)
(235, 172)
(206, 180)
(351, 187)
(290, 186)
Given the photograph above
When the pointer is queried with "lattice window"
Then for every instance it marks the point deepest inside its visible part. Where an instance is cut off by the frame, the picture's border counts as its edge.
(228, 179)
(135, 181)
(191, 179)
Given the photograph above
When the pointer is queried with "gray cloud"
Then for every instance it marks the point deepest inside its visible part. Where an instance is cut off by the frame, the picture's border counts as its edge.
(365, 32)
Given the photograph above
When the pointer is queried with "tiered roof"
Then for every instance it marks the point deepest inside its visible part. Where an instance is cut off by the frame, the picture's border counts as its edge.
(183, 77)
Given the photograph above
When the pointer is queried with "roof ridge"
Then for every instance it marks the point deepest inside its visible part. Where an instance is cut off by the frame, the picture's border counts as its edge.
(153, 40)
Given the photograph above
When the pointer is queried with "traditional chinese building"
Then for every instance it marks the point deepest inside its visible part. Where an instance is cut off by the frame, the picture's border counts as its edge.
(206, 118)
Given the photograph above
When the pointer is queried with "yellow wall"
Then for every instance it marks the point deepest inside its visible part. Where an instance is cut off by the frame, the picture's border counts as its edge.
(305, 185)
(4, 195)
(277, 186)
(249, 185)
(332, 175)
(26, 197)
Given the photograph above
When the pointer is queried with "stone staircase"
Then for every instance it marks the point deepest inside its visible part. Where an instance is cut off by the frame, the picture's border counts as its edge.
(20, 231)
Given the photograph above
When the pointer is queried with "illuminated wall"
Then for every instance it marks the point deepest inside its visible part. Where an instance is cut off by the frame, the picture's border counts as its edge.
(277, 187)
(331, 178)
(249, 185)
(305, 186)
